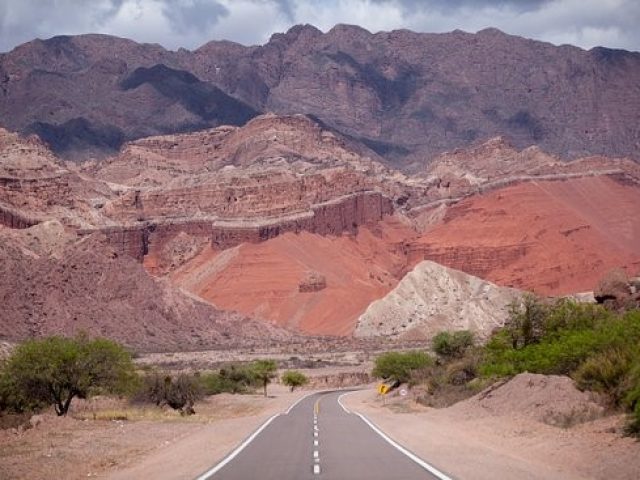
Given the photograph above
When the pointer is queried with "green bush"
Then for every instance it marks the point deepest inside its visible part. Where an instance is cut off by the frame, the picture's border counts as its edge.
(294, 378)
(263, 371)
(633, 427)
(606, 372)
(452, 344)
(55, 370)
(561, 351)
(400, 366)
(179, 393)
(232, 379)
(526, 321)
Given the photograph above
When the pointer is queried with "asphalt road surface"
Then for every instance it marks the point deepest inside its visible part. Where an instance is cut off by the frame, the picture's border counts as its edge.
(318, 440)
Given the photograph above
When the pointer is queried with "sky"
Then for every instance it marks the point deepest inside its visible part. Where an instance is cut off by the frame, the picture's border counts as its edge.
(191, 23)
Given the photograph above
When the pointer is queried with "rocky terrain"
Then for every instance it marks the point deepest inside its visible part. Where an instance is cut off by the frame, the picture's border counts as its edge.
(52, 282)
(408, 96)
(285, 221)
(432, 298)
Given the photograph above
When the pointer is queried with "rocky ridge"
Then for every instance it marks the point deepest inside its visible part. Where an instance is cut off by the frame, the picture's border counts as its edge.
(52, 282)
(432, 298)
(408, 96)
(244, 218)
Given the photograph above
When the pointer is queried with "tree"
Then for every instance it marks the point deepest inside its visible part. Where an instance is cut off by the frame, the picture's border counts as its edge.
(180, 393)
(452, 344)
(55, 370)
(526, 321)
(264, 371)
(294, 378)
(399, 366)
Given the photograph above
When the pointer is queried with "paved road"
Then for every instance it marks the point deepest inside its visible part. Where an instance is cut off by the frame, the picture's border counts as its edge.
(318, 440)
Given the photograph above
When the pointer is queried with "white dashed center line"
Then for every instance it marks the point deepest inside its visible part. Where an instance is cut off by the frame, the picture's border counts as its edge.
(316, 453)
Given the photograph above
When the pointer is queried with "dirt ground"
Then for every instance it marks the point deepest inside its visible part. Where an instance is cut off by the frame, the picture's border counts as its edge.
(480, 444)
(511, 432)
(95, 441)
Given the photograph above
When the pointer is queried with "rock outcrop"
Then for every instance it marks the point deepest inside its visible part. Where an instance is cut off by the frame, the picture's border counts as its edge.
(432, 298)
(81, 285)
(313, 282)
(554, 237)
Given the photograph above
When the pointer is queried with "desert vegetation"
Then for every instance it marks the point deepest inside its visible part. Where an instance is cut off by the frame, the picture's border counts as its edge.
(293, 379)
(53, 371)
(598, 347)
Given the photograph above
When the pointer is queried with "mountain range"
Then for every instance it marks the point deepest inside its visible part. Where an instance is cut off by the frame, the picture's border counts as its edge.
(407, 96)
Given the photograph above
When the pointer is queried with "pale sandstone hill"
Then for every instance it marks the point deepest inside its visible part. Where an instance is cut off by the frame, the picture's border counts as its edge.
(432, 298)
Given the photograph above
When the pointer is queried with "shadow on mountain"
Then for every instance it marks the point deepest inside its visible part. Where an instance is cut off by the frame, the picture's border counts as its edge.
(200, 98)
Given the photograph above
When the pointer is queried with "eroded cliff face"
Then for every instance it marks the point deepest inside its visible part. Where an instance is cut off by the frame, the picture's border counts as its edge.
(552, 237)
(308, 282)
(287, 222)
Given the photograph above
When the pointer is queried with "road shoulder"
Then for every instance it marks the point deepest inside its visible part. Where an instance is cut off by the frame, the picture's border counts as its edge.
(482, 447)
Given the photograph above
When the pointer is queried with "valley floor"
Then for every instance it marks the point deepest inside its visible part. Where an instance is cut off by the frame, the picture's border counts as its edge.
(466, 441)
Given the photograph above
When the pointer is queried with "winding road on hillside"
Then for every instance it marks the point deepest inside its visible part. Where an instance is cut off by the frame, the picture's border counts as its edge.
(318, 438)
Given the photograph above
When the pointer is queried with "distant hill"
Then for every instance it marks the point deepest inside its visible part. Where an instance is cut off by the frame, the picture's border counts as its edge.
(408, 96)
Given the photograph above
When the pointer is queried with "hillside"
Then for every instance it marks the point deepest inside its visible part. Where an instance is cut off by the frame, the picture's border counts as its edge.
(408, 96)
(432, 298)
(285, 221)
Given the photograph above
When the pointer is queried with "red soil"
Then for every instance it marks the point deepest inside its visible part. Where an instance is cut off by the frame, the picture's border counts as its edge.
(552, 237)
(263, 279)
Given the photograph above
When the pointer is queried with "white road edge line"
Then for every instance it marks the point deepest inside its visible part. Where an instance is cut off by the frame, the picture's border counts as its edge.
(298, 401)
(341, 404)
(430, 468)
(238, 449)
(393, 443)
(209, 473)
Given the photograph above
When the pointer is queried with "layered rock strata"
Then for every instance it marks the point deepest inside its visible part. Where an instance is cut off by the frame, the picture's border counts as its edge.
(432, 298)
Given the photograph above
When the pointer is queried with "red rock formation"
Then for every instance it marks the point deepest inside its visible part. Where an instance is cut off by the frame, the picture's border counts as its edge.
(264, 279)
(553, 237)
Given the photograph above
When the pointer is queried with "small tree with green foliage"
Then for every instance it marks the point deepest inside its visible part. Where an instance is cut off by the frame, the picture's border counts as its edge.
(55, 370)
(399, 366)
(263, 371)
(452, 344)
(294, 378)
(526, 321)
(179, 393)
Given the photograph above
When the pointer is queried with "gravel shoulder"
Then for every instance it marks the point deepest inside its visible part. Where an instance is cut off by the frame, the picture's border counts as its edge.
(481, 445)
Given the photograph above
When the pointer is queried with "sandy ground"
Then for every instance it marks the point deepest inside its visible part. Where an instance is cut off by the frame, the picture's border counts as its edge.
(489, 446)
(151, 444)
(475, 439)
